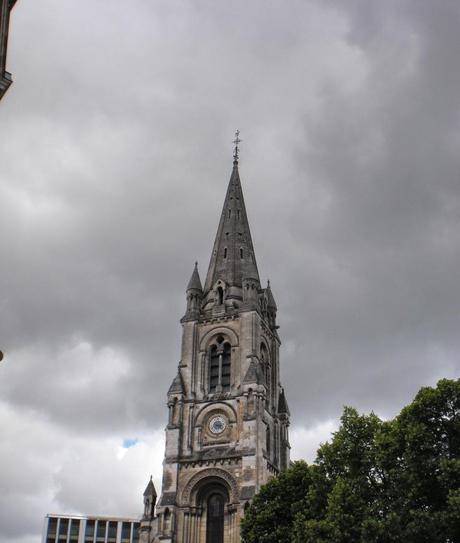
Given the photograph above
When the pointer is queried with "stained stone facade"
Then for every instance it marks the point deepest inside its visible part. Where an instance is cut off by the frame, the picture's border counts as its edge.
(227, 432)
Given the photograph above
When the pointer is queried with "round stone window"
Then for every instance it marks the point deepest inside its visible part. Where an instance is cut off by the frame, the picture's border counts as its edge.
(217, 424)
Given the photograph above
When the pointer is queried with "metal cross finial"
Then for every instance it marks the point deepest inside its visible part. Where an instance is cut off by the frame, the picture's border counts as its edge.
(236, 141)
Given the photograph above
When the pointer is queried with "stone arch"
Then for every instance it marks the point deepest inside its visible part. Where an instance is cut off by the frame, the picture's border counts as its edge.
(224, 407)
(221, 330)
(205, 477)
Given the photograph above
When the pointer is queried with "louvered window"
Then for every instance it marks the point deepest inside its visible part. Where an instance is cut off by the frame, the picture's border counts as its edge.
(220, 366)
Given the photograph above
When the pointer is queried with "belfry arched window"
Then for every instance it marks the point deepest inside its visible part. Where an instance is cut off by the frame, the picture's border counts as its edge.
(220, 366)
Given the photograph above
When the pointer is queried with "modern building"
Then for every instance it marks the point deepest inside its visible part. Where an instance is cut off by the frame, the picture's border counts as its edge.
(227, 432)
(5, 77)
(79, 529)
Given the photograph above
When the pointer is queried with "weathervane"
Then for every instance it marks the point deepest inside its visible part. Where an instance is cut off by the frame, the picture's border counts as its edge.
(236, 141)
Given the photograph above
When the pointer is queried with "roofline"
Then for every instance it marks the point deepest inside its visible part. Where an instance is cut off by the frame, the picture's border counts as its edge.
(92, 517)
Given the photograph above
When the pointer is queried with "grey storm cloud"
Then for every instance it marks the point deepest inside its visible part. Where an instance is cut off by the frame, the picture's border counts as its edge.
(115, 152)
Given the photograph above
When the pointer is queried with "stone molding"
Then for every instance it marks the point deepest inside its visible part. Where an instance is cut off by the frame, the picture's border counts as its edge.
(220, 330)
(210, 473)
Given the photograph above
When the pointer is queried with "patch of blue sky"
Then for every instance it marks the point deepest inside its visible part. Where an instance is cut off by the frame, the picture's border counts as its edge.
(129, 442)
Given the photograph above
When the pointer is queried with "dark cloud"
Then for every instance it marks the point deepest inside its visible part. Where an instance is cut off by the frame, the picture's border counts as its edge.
(115, 153)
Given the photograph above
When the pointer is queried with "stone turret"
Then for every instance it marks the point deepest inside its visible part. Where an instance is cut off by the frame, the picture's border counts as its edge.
(150, 498)
(271, 307)
(176, 400)
(194, 296)
(149, 523)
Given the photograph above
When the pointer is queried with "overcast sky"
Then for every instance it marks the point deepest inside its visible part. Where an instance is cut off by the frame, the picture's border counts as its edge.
(115, 153)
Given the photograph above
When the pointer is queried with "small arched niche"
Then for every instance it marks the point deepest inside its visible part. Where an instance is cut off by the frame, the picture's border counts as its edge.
(220, 295)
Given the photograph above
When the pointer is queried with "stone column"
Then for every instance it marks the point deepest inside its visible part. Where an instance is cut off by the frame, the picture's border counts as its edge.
(198, 528)
(186, 528)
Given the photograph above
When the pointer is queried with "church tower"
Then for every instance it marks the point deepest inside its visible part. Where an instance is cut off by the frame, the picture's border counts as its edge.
(227, 431)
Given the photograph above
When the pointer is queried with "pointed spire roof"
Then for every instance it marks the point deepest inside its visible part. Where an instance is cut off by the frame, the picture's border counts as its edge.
(282, 403)
(233, 257)
(270, 300)
(195, 281)
(150, 489)
(177, 386)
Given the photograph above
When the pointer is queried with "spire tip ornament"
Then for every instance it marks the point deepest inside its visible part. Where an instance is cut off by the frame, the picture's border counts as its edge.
(236, 151)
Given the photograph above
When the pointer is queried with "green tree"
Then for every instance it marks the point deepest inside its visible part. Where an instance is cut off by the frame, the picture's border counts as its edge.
(375, 482)
(346, 471)
(270, 517)
(420, 451)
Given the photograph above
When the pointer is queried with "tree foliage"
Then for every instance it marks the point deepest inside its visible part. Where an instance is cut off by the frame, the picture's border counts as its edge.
(375, 482)
(271, 515)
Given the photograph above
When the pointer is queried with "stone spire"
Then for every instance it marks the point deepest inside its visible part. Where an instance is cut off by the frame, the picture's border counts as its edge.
(194, 296)
(195, 281)
(233, 258)
(283, 408)
(150, 498)
(271, 304)
(177, 386)
(150, 489)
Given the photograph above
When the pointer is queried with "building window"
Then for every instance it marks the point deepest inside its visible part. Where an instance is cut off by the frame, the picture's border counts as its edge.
(100, 531)
(225, 252)
(74, 530)
(63, 527)
(136, 527)
(226, 368)
(52, 529)
(220, 294)
(220, 366)
(126, 532)
(241, 252)
(89, 533)
(214, 369)
(112, 532)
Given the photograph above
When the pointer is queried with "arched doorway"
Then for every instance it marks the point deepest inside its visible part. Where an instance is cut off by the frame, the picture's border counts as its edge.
(210, 508)
(213, 499)
(215, 516)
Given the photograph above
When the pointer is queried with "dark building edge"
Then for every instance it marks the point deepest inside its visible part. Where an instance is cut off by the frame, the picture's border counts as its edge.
(5, 77)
